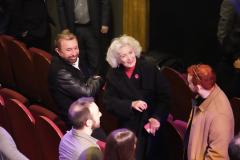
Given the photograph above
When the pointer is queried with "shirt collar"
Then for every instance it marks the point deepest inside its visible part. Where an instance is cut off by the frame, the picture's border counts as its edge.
(76, 64)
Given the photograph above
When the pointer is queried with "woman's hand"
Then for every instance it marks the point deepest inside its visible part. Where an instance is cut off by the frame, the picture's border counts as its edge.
(139, 105)
(152, 126)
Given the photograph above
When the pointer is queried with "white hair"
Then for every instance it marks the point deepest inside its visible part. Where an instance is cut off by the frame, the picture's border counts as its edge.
(117, 43)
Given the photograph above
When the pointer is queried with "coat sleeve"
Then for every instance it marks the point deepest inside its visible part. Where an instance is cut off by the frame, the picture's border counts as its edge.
(226, 19)
(92, 153)
(8, 147)
(162, 90)
(75, 87)
(116, 105)
(220, 135)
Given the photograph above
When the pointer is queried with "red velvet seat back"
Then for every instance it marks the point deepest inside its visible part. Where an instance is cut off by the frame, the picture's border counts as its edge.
(38, 110)
(49, 136)
(23, 126)
(181, 127)
(23, 69)
(181, 94)
(41, 61)
(12, 94)
(6, 93)
(6, 71)
(2, 112)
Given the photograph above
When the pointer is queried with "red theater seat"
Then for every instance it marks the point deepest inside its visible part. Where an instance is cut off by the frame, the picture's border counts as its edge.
(6, 71)
(49, 136)
(12, 94)
(6, 93)
(23, 69)
(38, 110)
(23, 126)
(41, 61)
(181, 95)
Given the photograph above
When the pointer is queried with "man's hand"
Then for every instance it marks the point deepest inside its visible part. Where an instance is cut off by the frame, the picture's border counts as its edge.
(152, 126)
(139, 105)
(104, 29)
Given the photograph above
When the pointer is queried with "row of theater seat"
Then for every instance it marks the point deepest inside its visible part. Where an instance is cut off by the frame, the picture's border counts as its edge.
(181, 98)
(30, 66)
(36, 130)
(25, 70)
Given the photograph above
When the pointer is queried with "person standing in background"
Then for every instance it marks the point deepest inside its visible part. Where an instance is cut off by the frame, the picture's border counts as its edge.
(89, 20)
(229, 38)
(4, 17)
(29, 22)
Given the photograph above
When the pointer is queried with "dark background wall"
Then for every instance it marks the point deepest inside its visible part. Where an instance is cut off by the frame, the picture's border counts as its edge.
(186, 29)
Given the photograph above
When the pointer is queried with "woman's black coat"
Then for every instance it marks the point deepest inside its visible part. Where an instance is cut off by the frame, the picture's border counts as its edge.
(147, 84)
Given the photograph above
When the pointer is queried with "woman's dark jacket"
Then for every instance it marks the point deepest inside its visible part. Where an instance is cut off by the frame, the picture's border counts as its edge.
(147, 84)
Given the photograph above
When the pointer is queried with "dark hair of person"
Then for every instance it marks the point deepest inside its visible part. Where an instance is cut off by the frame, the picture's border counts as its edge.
(79, 112)
(234, 148)
(120, 145)
(203, 75)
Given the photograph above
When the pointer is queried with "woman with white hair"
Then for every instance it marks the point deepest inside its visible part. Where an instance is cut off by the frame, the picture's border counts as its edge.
(136, 92)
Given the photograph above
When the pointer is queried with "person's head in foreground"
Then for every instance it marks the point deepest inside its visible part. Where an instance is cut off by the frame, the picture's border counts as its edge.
(120, 145)
(84, 114)
(201, 79)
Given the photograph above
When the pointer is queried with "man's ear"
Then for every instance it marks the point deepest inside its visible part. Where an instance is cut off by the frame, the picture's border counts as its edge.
(89, 123)
(57, 50)
(199, 87)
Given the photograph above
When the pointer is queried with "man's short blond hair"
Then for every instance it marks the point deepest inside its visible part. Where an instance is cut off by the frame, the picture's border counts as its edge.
(66, 35)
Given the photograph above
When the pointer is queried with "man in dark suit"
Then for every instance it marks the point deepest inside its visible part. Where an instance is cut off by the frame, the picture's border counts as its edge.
(69, 78)
(29, 22)
(89, 20)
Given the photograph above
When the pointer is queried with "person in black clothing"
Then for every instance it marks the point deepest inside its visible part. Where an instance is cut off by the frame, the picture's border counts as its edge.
(4, 17)
(29, 22)
(136, 92)
(90, 21)
(69, 79)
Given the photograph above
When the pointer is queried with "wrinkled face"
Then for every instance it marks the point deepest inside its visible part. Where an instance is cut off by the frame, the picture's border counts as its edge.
(190, 84)
(127, 56)
(68, 50)
(96, 114)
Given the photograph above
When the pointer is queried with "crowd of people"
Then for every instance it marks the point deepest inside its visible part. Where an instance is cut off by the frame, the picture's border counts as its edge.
(137, 94)
(142, 107)
(134, 90)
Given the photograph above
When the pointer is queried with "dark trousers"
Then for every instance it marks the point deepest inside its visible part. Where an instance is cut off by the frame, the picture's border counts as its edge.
(43, 42)
(89, 45)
